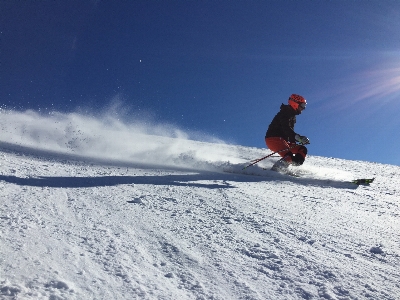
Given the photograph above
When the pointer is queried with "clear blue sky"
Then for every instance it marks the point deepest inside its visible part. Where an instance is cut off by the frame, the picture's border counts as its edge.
(221, 67)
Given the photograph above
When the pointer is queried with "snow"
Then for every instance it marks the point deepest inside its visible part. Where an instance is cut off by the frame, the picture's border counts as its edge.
(95, 208)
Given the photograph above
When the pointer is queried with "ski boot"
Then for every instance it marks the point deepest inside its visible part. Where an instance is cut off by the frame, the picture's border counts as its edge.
(281, 165)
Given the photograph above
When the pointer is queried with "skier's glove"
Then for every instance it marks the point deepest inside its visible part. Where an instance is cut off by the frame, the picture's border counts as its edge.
(302, 139)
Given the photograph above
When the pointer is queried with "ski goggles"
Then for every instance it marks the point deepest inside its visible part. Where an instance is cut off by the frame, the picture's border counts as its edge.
(302, 105)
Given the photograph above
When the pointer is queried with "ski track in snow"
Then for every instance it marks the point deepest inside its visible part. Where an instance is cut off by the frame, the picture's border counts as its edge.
(85, 225)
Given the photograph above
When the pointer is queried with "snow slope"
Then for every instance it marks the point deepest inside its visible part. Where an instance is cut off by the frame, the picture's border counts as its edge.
(94, 208)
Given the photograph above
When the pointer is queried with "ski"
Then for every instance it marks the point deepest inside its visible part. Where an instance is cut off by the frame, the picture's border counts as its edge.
(360, 181)
(363, 181)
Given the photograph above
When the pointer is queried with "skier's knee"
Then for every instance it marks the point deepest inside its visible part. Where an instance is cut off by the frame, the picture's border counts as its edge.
(298, 159)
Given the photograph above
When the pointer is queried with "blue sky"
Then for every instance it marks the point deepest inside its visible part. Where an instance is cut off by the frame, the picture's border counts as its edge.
(220, 67)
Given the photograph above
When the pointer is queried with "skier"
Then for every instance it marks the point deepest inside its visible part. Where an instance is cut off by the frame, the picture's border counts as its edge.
(281, 135)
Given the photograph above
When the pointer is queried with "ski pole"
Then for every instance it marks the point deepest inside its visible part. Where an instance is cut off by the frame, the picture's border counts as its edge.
(253, 160)
(262, 158)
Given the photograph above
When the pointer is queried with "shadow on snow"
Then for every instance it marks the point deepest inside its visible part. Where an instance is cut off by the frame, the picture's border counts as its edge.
(210, 180)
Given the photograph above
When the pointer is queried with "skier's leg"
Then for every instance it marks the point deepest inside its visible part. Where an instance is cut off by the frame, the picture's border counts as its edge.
(277, 144)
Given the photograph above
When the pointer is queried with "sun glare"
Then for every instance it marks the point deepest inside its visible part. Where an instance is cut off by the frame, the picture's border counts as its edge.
(383, 85)
(367, 91)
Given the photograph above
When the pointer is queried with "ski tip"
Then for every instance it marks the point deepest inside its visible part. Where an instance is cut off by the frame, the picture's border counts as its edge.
(363, 181)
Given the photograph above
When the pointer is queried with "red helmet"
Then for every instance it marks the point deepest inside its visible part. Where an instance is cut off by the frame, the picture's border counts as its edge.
(296, 100)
